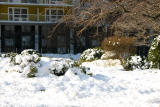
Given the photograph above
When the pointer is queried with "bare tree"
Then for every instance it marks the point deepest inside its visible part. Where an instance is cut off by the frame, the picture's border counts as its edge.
(139, 18)
(142, 20)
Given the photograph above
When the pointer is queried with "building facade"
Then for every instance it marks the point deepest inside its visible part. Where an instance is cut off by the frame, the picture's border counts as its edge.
(26, 24)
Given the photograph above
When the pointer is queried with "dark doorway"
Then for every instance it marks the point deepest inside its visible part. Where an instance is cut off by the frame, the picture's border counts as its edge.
(18, 38)
(27, 37)
(8, 38)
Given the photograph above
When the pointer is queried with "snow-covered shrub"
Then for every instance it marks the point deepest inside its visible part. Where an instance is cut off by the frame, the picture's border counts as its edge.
(35, 55)
(32, 72)
(59, 66)
(26, 56)
(85, 70)
(30, 64)
(90, 55)
(154, 53)
(11, 54)
(30, 52)
(136, 62)
(25, 63)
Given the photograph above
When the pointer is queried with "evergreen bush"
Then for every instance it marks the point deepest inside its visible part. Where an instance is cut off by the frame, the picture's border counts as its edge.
(91, 55)
(154, 53)
(59, 66)
(25, 62)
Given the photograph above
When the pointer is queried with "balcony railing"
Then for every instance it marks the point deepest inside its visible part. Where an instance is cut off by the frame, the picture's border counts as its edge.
(4, 17)
(38, 2)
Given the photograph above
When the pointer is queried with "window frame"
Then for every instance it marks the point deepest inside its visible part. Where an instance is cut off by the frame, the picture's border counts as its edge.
(50, 16)
(20, 18)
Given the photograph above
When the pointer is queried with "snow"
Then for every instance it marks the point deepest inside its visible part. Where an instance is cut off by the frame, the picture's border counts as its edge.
(108, 55)
(136, 59)
(110, 86)
(110, 63)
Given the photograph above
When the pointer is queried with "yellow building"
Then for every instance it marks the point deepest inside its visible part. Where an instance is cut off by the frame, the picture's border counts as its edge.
(27, 24)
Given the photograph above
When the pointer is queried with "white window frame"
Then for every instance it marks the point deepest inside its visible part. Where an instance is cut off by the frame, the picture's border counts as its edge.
(50, 16)
(13, 14)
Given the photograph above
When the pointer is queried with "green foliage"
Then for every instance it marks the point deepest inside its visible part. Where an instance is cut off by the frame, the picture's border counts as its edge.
(154, 53)
(76, 64)
(37, 60)
(86, 70)
(11, 54)
(99, 48)
(33, 71)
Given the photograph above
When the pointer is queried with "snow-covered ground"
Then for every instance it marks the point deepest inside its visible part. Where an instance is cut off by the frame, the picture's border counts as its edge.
(110, 86)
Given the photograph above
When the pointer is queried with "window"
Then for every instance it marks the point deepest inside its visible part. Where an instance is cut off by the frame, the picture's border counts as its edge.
(54, 14)
(9, 42)
(53, 1)
(15, 1)
(26, 41)
(18, 14)
(2, 0)
(26, 28)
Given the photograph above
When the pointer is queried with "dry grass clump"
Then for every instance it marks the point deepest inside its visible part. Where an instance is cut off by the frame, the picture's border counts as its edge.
(122, 46)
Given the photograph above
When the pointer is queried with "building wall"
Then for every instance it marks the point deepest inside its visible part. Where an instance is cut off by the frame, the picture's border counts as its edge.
(32, 10)
(14, 36)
